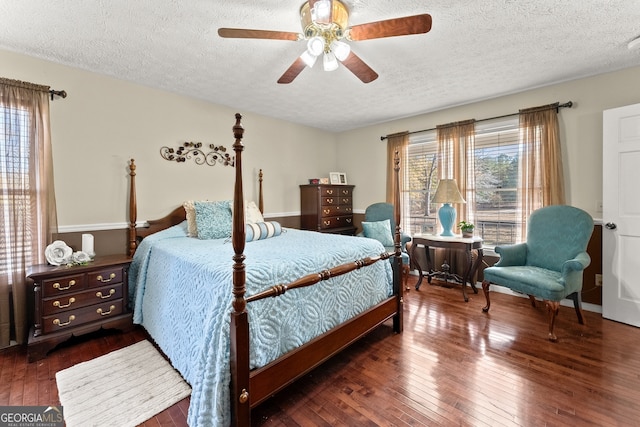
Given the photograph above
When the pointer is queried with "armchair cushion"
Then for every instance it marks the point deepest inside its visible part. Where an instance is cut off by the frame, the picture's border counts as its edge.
(379, 230)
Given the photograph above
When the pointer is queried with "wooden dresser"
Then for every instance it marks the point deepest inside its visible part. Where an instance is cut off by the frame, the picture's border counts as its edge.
(327, 208)
(77, 300)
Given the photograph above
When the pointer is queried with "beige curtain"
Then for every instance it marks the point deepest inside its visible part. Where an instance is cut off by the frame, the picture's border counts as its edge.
(28, 213)
(399, 142)
(541, 181)
(456, 145)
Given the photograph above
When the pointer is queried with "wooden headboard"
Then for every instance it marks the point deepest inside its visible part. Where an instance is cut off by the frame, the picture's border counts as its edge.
(176, 216)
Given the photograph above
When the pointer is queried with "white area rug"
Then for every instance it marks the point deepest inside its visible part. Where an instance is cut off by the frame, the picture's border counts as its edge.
(122, 388)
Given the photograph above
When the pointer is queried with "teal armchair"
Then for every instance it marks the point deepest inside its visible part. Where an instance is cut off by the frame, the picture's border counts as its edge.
(380, 212)
(549, 265)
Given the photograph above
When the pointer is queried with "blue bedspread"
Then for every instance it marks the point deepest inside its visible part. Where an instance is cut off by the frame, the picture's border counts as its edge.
(181, 291)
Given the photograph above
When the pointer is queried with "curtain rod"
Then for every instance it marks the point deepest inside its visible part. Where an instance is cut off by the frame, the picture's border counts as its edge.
(565, 105)
(60, 93)
(33, 86)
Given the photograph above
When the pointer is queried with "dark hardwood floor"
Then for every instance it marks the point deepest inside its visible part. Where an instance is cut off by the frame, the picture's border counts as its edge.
(453, 365)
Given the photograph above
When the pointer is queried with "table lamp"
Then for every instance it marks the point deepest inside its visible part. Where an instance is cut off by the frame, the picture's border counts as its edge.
(447, 193)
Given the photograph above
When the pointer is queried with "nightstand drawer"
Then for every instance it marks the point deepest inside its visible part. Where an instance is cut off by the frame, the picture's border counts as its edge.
(73, 318)
(81, 299)
(105, 277)
(62, 285)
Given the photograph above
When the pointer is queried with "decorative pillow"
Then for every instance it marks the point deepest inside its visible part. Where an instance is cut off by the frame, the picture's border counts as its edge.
(190, 210)
(252, 214)
(213, 219)
(262, 230)
(379, 230)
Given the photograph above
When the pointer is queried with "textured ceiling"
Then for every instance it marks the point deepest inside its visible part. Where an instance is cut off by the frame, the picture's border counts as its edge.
(476, 50)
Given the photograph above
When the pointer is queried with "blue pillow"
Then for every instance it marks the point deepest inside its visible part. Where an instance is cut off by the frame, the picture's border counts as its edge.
(379, 230)
(213, 219)
(262, 230)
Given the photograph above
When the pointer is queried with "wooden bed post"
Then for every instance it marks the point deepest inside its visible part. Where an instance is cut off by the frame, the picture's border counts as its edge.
(398, 323)
(133, 208)
(239, 334)
(260, 199)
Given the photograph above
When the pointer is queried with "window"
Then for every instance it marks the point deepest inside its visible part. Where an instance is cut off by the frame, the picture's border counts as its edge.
(496, 172)
(14, 185)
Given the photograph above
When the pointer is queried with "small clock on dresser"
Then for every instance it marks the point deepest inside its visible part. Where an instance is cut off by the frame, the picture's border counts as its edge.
(77, 300)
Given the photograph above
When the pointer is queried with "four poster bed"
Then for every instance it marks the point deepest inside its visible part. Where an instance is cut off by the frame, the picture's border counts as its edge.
(308, 295)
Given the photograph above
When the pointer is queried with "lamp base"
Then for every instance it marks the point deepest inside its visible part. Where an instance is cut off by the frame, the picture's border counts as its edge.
(447, 215)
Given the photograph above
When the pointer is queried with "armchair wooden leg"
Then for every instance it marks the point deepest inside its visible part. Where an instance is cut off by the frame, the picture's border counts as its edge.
(553, 308)
(533, 300)
(485, 289)
(405, 275)
(577, 304)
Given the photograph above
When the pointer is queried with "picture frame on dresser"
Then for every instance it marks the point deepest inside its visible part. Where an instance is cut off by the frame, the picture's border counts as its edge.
(338, 178)
(334, 178)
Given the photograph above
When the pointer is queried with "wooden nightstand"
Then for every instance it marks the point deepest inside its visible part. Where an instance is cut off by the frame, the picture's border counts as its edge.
(71, 301)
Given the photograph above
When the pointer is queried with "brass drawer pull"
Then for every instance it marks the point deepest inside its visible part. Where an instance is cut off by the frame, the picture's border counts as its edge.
(58, 287)
(327, 223)
(326, 211)
(106, 313)
(349, 220)
(111, 292)
(57, 303)
(111, 277)
(330, 201)
(329, 191)
(58, 323)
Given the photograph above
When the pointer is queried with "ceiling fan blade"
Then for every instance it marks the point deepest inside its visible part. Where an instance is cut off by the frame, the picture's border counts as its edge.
(293, 71)
(417, 24)
(243, 33)
(358, 67)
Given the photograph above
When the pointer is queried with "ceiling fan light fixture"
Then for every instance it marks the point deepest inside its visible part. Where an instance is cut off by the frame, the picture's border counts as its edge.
(340, 49)
(315, 46)
(308, 58)
(329, 62)
(321, 11)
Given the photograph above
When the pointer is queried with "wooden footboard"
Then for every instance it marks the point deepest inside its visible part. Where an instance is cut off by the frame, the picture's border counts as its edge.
(250, 388)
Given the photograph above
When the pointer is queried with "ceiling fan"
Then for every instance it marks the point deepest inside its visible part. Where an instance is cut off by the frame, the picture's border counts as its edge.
(325, 26)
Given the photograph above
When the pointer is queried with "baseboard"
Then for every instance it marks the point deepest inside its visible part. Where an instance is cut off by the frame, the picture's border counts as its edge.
(565, 302)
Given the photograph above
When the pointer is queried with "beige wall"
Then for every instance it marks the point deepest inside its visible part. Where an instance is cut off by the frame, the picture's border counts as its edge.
(581, 132)
(104, 122)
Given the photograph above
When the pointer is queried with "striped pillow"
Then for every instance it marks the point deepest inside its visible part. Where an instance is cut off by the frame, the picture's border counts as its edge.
(262, 230)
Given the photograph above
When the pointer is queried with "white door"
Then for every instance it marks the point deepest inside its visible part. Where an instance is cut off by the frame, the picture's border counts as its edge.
(621, 215)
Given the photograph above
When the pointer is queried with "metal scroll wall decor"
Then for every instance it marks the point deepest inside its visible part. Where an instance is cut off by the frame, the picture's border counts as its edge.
(207, 155)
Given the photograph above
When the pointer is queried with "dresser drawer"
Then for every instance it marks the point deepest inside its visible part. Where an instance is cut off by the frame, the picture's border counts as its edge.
(107, 276)
(80, 316)
(330, 201)
(67, 302)
(329, 191)
(344, 192)
(345, 201)
(327, 211)
(336, 221)
(63, 285)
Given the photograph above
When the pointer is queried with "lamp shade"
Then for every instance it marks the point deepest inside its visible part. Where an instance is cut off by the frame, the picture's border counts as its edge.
(447, 193)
